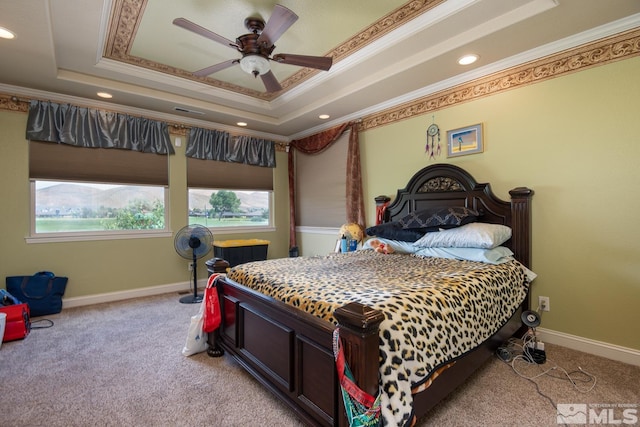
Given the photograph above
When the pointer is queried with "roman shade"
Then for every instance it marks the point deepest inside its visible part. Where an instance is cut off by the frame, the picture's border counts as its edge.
(69, 163)
(228, 176)
(320, 185)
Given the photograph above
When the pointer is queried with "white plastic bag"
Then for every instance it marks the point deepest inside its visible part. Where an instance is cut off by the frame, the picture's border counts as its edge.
(196, 337)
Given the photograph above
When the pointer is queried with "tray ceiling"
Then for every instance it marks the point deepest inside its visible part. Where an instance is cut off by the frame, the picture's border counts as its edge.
(384, 52)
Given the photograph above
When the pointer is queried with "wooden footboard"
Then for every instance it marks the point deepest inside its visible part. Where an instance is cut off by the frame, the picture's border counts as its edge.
(290, 352)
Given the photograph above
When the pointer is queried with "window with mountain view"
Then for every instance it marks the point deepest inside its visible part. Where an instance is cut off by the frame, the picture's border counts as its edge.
(219, 208)
(77, 207)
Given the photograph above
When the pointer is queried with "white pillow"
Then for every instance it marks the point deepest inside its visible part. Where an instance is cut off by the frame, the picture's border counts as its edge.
(490, 256)
(474, 235)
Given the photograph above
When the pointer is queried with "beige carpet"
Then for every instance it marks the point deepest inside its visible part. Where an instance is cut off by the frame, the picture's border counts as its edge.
(120, 364)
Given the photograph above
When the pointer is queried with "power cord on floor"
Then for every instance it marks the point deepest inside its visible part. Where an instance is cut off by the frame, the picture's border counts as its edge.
(47, 324)
(518, 353)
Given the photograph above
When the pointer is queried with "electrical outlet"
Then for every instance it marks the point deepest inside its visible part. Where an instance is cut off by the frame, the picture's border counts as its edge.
(544, 304)
(190, 266)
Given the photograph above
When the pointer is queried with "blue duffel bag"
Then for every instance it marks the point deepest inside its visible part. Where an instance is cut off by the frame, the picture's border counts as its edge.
(42, 292)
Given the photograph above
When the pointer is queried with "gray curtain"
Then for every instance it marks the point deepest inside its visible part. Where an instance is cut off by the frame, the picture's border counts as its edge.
(218, 145)
(85, 127)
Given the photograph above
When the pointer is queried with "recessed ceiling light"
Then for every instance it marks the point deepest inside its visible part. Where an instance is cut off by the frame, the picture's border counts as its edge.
(241, 123)
(324, 116)
(6, 34)
(105, 95)
(468, 59)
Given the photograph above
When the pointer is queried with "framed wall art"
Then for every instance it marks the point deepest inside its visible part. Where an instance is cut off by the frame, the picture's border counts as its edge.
(463, 141)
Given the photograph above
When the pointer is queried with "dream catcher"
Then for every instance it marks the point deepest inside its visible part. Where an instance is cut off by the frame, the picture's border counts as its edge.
(433, 149)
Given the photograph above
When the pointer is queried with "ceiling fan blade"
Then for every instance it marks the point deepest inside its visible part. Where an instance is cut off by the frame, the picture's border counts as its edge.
(195, 28)
(279, 22)
(215, 68)
(319, 62)
(270, 82)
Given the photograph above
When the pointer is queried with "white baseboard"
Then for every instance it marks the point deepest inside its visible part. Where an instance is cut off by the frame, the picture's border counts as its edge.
(123, 295)
(597, 348)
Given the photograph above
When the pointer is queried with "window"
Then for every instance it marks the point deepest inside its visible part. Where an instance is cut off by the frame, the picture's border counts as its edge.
(227, 195)
(96, 193)
(77, 207)
(220, 208)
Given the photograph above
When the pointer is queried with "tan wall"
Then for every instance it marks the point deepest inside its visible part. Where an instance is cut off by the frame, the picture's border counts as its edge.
(104, 266)
(575, 140)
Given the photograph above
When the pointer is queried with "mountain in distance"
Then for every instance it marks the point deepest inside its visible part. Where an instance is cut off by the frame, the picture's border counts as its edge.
(68, 196)
(74, 196)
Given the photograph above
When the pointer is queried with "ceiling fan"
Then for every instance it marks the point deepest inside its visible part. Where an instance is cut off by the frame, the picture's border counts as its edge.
(257, 46)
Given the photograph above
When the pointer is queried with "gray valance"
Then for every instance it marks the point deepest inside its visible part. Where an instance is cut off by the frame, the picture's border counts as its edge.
(85, 127)
(218, 145)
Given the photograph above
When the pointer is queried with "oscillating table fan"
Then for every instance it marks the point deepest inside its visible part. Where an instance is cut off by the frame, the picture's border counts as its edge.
(193, 242)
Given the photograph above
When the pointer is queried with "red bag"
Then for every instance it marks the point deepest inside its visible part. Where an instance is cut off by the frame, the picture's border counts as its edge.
(18, 324)
(212, 315)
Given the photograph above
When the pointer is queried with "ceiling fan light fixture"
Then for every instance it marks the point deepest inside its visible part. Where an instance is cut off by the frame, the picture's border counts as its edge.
(255, 64)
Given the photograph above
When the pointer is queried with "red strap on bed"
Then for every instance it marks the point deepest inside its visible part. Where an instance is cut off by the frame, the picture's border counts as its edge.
(212, 316)
(354, 391)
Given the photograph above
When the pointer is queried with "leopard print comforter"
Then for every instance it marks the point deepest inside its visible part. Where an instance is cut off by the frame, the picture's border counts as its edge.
(435, 309)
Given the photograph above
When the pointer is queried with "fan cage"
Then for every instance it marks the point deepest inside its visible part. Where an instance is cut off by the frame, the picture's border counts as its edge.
(193, 241)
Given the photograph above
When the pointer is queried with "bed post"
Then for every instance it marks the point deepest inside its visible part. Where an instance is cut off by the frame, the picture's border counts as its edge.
(359, 326)
(521, 238)
(521, 224)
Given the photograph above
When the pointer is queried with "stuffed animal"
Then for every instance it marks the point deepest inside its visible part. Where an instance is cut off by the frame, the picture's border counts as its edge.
(380, 247)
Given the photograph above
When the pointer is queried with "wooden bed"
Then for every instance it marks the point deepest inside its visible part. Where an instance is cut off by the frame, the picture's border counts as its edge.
(290, 351)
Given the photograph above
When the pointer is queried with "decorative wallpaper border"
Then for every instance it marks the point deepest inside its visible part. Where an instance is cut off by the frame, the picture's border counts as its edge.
(13, 103)
(614, 48)
(127, 14)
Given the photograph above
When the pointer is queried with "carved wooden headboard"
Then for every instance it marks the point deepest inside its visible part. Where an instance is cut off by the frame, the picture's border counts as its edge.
(449, 185)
